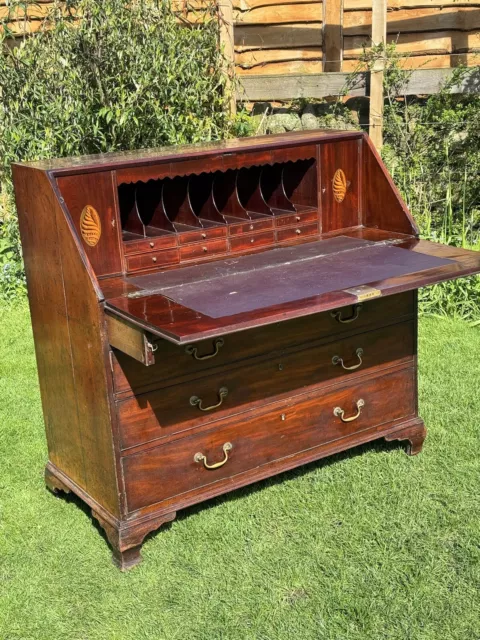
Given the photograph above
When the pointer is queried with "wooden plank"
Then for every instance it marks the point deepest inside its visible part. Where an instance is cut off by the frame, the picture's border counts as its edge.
(271, 87)
(379, 36)
(358, 5)
(278, 36)
(262, 57)
(247, 5)
(415, 20)
(281, 14)
(419, 43)
(426, 63)
(332, 35)
(274, 87)
(130, 340)
(282, 68)
(225, 18)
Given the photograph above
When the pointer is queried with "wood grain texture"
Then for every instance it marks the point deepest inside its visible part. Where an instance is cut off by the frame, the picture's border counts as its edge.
(416, 44)
(175, 364)
(171, 470)
(97, 191)
(165, 412)
(383, 206)
(73, 381)
(345, 157)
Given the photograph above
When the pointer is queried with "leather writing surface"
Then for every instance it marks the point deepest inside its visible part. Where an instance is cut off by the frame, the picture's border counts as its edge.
(296, 279)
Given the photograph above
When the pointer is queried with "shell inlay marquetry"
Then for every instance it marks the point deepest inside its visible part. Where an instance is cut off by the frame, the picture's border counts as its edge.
(90, 226)
(340, 185)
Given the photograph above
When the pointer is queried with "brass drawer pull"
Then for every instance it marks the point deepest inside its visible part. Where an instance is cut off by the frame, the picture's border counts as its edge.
(195, 401)
(356, 312)
(193, 351)
(340, 413)
(199, 457)
(338, 360)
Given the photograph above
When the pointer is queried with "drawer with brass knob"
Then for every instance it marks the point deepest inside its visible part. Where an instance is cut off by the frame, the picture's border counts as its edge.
(265, 437)
(165, 412)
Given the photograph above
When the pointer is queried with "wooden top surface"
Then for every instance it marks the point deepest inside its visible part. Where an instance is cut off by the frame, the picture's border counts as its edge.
(117, 160)
(409, 264)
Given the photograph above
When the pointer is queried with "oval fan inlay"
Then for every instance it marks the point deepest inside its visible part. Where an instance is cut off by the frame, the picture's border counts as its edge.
(339, 185)
(90, 226)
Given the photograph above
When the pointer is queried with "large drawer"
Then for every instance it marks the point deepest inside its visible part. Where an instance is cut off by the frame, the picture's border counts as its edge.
(259, 438)
(172, 362)
(170, 410)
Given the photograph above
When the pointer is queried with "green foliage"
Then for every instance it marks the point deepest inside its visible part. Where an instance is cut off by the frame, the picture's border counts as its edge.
(127, 75)
(432, 150)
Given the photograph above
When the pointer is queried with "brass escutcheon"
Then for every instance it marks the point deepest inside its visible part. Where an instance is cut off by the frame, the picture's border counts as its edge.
(340, 413)
(195, 401)
(200, 457)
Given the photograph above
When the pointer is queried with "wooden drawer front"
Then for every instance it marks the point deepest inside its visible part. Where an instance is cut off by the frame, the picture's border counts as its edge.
(170, 410)
(250, 226)
(297, 232)
(257, 439)
(201, 235)
(296, 219)
(174, 362)
(202, 249)
(243, 243)
(151, 260)
(150, 244)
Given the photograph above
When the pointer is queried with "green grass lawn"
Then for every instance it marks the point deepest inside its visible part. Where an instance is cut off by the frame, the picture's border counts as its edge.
(370, 544)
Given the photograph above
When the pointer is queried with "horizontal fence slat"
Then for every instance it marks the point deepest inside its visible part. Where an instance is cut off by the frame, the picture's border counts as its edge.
(277, 36)
(418, 43)
(300, 67)
(289, 87)
(423, 62)
(275, 87)
(414, 20)
(257, 58)
(281, 14)
(357, 5)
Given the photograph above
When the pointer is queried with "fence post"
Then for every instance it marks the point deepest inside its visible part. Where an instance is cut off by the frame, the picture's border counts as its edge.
(332, 33)
(379, 36)
(225, 16)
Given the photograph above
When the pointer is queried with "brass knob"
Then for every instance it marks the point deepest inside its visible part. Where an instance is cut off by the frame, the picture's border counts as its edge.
(251, 227)
(252, 240)
(204, 249)
(298, 232)
(204, 235)
(297, 218)
(152, 244)
(154, 259)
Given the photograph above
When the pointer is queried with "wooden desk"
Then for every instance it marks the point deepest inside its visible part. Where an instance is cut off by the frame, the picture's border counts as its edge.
(208, 316)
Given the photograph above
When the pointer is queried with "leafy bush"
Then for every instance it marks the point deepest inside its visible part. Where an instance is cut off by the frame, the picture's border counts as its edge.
(128, 74)
(432, 150)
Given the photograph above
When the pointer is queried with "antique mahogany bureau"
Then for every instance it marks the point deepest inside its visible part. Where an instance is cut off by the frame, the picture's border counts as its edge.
(208, 316)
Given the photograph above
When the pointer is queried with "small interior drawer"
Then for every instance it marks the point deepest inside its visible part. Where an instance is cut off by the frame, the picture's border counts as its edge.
(173, 409)
(207, 233)
(153, 259)
(203, 249)
(296, 219)
(284, 429)
(252, 241)
(167, 241)
(302, 231)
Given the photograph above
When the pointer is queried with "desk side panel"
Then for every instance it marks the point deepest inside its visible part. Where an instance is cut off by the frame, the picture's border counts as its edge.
(68, 327)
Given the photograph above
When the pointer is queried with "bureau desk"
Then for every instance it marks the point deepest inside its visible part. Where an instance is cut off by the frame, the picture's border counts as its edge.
(210, 315)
